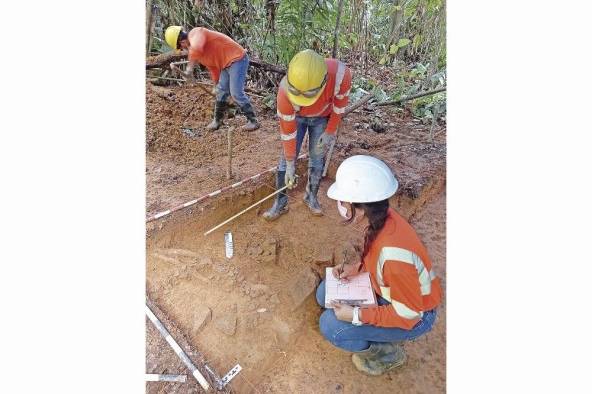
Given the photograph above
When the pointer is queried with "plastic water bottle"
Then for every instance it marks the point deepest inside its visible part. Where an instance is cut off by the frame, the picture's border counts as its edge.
(229, 246)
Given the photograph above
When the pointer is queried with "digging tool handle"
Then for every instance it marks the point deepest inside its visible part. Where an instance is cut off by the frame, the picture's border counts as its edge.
(328, 158)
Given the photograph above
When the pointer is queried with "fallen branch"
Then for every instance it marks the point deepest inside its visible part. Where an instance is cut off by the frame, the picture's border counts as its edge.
(267, 66)
(363, 101)
(393, 102)
(163, 61)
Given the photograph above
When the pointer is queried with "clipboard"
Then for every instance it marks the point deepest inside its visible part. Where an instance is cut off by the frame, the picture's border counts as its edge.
(357, 291)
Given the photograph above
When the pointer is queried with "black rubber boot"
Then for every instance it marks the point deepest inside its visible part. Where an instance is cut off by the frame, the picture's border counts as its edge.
(219, 111)
(280, 205)
(249, 112)
(379, 358)
(312, 189)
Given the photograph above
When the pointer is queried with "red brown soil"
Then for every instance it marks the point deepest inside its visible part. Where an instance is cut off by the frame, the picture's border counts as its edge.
(256, 319)
(180, 168)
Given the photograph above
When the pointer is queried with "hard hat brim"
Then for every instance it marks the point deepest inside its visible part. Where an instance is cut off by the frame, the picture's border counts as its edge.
(304, 101)
(363, 179)
(335, 193)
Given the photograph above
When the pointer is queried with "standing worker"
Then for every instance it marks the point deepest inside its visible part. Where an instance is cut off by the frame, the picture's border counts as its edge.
(311, 97)
(227, 63)
(407, 290)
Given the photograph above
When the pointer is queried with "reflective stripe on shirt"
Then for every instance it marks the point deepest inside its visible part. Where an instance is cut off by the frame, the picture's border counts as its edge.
(342, 96)
(339, 77)
(400, 308)
(405, 256)
(338, 110)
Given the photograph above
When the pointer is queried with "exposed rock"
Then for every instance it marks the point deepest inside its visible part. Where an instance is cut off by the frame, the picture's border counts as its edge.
(324, 257)
(274, 299)
(259, 289)
(347, 253)
(282, 330)
(251, 320)
(201, 317)
(269, 254)
(226, 321)
(302, 285)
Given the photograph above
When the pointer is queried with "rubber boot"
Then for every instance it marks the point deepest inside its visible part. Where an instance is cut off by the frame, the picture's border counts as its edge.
(280, 205)
(379, 358)
(312, 189)
(252, 123)
(219, 111)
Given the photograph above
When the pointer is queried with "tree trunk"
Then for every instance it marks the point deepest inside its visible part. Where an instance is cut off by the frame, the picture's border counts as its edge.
(335, 34)
(149, 25)
(397, 20)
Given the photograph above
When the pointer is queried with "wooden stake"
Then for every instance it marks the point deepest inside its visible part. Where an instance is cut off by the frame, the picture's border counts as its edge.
(229, 170)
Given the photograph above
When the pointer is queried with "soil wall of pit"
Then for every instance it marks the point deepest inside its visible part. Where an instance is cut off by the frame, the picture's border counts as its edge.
(251, 309)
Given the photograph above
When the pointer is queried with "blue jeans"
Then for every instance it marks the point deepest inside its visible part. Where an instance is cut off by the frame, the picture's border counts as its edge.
(315, 126)
(232, 82)
(352, 338)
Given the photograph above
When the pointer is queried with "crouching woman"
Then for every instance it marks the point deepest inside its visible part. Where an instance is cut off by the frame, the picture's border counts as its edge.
(407, 290)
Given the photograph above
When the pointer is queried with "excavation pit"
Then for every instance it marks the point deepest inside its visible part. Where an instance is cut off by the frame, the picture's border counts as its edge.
(248, 309)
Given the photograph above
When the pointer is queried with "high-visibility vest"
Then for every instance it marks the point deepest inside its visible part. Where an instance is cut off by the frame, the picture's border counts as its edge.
(402, 273)
(425, 278)
(331, 103)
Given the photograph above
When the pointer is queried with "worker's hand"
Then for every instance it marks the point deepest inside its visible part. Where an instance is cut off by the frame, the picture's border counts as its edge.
(349, 271)
(343, 312)
(214, 90)
(290, 177)
(324, 141)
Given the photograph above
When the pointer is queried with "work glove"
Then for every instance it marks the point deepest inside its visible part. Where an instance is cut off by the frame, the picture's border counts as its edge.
(325, 141)
(290, 177)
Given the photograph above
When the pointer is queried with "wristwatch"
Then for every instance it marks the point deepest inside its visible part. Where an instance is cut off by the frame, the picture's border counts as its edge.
(356, 317)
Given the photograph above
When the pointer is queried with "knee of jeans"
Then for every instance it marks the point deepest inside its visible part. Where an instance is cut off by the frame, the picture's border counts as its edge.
(316, 163)
(326, 325)
(221, 95)
(240, 97)
(320, 295)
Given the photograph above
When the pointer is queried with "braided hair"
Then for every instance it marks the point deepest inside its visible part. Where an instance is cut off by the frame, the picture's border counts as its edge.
(376, 212)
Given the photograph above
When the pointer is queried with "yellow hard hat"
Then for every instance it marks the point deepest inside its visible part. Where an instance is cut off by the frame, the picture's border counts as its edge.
(171, 35)
(307, 77)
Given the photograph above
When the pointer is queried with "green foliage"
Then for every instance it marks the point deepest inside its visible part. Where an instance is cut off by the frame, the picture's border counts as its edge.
(425, 107)
(274, 31)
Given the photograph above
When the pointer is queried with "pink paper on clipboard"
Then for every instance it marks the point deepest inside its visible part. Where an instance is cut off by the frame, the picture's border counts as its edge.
(357, 288)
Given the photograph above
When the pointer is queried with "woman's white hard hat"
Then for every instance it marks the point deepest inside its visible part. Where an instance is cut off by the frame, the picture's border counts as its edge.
(363, 178)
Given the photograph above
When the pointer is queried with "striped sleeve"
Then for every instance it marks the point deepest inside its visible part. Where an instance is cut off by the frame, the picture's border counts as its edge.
(339, 103)
(287, 116)
(402, 289)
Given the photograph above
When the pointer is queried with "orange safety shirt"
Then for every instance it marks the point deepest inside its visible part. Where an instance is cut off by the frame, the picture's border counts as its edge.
(331, 103)
(214, 50)
(401, 272)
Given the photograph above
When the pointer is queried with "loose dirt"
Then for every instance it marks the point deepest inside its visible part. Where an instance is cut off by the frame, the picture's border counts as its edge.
(258, 307)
